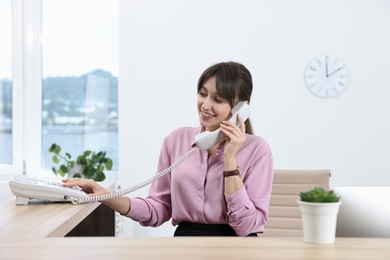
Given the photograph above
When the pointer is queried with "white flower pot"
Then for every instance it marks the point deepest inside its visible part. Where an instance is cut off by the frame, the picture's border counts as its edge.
(319, 221)
(75, 169)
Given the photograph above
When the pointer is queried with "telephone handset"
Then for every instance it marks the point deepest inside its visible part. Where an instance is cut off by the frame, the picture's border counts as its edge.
(207, 139)
(24, 189)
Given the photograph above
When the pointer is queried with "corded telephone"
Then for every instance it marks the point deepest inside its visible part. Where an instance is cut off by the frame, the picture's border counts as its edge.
(24, 189)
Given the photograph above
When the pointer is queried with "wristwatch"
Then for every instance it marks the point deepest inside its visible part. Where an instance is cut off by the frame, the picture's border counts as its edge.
(232, 173)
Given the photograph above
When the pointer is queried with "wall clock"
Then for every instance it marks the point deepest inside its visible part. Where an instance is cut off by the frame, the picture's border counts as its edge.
(327, 76)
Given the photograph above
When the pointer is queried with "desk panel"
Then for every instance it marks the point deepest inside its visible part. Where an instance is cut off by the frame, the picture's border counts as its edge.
(189, 248)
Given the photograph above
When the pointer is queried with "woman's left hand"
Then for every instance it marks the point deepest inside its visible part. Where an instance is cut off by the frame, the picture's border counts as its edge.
(236, 136)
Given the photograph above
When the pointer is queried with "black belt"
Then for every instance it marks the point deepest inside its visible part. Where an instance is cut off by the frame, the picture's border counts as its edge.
(197, 229)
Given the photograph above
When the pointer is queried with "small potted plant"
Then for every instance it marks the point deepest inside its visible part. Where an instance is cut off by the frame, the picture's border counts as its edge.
(319, 208)
(89, 164)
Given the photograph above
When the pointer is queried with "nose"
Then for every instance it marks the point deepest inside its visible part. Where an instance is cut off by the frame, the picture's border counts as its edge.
(206, 104)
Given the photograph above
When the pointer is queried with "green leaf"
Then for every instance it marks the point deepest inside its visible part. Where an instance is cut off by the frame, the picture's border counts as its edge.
(60, 172)
(77, 175)
(54, 148)
(86, 153)
(55, 159)
(81, 160)
(63, 169)
(71, 164)
(108, 163)
(99, 176)
(100, 168)
(54, 170)
(101, 156)
(89, 171)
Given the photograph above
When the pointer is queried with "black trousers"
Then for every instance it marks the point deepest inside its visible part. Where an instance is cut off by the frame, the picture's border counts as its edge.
(197, 229)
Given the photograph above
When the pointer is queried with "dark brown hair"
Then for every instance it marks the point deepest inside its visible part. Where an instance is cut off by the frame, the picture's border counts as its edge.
(233, 81)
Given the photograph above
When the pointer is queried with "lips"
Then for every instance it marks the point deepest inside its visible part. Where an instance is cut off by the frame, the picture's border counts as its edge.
(206, 116)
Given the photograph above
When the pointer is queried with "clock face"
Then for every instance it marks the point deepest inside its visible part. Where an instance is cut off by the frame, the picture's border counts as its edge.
(327, 76)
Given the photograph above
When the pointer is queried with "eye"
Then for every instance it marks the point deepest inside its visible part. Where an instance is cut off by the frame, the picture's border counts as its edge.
(202, 94)
(219, 100)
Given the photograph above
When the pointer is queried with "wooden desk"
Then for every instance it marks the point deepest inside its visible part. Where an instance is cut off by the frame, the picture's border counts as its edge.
(188, 248)
(52, 219)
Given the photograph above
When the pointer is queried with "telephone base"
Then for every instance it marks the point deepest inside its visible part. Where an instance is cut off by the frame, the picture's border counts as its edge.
(22, 201)
(33, 189)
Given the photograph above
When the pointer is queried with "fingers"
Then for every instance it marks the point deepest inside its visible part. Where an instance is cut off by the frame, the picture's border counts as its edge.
(86, 185)
(76, 182)
(235, 134)
(241, 123)
(231, 131)
(233, 128)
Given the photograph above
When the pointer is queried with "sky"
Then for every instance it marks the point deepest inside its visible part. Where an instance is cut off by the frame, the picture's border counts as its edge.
(78, 36)
(5, 44)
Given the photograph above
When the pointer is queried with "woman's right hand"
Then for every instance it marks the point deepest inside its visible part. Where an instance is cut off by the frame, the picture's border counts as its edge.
(87, 185)
(120, 204)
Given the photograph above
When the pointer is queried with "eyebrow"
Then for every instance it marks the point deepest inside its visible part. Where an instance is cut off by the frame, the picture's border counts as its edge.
(205, 89)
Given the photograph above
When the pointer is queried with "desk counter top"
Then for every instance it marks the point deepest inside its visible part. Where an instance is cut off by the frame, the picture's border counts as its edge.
(191, 248)
(42, 219)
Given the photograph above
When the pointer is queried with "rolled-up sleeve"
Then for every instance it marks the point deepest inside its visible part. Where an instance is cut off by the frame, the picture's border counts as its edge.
(247, 208)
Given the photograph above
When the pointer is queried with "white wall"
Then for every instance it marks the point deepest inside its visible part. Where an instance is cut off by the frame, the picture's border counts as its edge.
(165, 45)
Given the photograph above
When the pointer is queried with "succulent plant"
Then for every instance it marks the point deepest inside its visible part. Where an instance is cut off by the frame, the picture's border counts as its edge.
(319, 195)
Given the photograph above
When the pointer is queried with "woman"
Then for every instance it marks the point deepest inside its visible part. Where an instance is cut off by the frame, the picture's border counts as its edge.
(224, 191)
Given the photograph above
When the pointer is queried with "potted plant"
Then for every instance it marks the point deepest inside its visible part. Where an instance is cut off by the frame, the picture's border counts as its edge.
(319, 208)
(89, 164)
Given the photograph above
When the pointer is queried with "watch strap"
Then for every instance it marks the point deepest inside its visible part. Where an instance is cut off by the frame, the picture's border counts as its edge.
(232, 173)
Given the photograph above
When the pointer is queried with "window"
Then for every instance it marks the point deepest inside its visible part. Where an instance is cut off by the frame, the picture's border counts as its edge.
(69, 57)
(79, 71)
(6, 82)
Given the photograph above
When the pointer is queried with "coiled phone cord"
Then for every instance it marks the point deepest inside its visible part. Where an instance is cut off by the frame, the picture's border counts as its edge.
(135, 187)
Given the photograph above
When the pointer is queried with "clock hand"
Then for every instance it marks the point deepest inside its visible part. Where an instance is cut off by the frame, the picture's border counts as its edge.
(335, 71)
(326, 65)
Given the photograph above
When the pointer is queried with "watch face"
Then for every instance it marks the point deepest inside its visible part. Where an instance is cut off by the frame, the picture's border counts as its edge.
(327, 76)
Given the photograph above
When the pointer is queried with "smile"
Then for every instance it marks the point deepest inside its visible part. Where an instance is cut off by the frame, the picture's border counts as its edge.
(207, 115)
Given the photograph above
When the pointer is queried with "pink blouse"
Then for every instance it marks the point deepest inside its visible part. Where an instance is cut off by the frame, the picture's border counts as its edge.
(194, 190)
